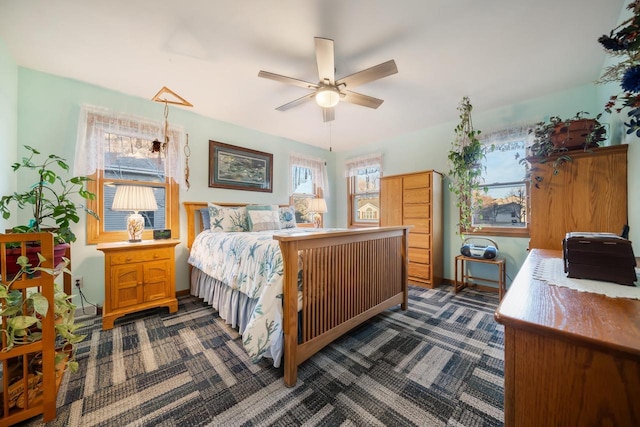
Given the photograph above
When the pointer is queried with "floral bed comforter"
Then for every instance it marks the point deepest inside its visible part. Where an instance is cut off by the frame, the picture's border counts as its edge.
(250, 262)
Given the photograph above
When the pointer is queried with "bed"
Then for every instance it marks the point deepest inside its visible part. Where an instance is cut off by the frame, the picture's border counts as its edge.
(320, 284)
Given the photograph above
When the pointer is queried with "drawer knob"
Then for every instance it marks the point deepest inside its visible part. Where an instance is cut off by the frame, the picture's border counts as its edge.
(156, 255)
(129, 258)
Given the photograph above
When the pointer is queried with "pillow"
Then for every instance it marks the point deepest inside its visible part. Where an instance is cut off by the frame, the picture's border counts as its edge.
(288, 217)
(227, 219)
(263, 217)
(204, 218)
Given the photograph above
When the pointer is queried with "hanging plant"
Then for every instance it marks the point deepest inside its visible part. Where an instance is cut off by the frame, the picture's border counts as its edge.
(465, 167)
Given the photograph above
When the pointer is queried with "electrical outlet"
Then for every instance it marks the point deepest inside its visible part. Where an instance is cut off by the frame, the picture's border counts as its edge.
(77, 281)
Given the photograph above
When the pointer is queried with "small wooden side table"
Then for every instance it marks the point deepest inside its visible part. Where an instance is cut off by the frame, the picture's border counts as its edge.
(461, 273)
(138, 276)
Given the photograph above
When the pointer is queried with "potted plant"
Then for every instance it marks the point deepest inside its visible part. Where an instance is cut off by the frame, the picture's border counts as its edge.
(50, 199)
(553, 140)
(577, 132)
(465, 166)
(25, 310)
(66, 330)
(23, 314)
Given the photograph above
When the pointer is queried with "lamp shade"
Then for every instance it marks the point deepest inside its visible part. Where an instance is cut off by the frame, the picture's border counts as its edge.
(317, 205)
(134, 198)
(327, 97)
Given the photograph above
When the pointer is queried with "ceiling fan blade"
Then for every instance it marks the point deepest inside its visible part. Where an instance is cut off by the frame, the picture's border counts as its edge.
(359, 99)
(287, 80)
(370, 74)
(325, 59)
(296, 102)
(328, 114)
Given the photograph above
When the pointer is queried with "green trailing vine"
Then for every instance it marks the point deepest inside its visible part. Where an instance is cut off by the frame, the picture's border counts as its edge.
(465, 167)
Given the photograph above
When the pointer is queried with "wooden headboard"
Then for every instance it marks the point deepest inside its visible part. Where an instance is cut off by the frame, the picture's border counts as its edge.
(194, 223)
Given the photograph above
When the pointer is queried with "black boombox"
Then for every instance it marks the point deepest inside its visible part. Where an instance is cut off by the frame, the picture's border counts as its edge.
(479, 251)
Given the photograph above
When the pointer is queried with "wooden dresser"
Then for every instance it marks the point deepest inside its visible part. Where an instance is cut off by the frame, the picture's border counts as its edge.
(571, 358)
(416, 199)
(138, 276)
(587, 194)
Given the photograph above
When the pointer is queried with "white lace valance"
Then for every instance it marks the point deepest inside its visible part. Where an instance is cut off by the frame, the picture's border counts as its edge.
(95, 122)
(318, 170)
(503, 136)
(368, 161)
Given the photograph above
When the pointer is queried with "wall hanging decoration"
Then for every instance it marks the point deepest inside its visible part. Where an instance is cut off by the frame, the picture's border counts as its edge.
(239, 168)
(167, 96)
(187, 155)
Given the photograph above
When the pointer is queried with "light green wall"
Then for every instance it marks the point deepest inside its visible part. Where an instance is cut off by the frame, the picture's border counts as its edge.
(427, 149)
(8, 124)
(48, 110)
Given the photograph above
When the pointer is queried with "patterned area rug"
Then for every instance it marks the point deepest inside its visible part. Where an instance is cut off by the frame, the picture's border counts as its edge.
(438, 363)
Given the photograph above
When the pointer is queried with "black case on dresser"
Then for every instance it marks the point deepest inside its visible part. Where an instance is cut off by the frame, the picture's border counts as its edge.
(599, 256)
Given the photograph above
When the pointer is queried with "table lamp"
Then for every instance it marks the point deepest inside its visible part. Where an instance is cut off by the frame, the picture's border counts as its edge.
(317, 207)
(134, 198)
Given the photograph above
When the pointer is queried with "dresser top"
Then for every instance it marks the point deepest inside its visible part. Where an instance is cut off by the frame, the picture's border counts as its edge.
(592, 319)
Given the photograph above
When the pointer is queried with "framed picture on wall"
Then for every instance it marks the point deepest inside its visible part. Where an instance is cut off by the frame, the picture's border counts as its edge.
(238, 168)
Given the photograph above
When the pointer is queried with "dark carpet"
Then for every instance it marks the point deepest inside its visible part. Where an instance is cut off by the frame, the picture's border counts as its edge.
(440, 363)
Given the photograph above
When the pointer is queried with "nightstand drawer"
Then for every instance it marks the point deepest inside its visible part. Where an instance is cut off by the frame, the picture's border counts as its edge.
(140, 256)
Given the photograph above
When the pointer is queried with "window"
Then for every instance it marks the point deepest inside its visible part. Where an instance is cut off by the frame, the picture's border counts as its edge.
(307, 181)
(504, 204)
(363, 184)
(121, 146)
(303, 189)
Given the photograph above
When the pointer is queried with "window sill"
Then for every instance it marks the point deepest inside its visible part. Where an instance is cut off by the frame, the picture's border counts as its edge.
(363, 225)
(502, 231)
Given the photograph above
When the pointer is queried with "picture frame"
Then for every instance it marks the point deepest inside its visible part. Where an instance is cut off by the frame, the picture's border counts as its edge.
(238, 168)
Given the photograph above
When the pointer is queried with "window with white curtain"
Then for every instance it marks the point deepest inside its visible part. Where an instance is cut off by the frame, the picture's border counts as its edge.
(504, 204)
(363, 190)
(307, 180)
(115, 149)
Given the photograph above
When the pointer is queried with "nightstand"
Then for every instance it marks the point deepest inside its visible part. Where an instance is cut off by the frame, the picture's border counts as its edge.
(138, 276)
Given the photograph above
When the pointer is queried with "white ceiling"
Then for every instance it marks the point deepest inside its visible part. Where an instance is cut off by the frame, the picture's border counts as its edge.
(498, 52)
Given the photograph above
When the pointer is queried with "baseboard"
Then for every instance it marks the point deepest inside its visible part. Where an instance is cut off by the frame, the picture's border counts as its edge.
(89, 311)
(478, 286)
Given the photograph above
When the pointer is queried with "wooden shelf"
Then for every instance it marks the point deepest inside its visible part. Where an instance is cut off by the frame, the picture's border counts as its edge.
(42, 399)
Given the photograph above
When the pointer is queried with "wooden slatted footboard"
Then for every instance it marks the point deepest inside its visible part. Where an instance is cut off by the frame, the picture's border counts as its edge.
(348, 277)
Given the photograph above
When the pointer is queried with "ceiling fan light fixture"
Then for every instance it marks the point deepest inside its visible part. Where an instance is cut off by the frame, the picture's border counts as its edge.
(327, 97)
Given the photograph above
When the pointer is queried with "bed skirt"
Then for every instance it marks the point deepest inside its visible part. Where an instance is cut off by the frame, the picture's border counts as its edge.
(233, 307)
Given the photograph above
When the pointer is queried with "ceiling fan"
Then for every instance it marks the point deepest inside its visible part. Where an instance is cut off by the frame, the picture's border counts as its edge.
(329, 91)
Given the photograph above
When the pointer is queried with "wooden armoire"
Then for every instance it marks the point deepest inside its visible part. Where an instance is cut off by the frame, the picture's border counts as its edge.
(587, 194)
(416, 199)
